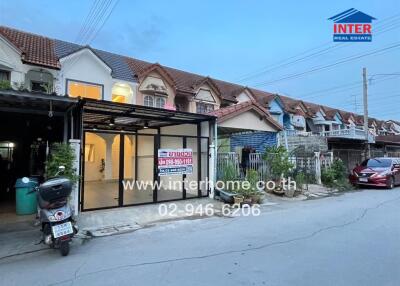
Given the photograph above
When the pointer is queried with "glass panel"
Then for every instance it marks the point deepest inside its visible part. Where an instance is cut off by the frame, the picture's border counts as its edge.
(93, 91)
(160, 102)
(171, 186)
(148, 101)
(85, 90)
(143, 191)
(118, 98)
(101, 170)
(134, 191)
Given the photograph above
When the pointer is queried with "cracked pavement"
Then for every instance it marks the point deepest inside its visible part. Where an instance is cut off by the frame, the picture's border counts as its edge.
(352, 239)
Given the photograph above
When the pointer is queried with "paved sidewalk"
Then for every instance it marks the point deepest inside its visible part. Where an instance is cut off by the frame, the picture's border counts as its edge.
(19, 235)
(121, 220)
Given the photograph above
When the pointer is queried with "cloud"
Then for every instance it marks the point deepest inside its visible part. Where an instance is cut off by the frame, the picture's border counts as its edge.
(129, 39)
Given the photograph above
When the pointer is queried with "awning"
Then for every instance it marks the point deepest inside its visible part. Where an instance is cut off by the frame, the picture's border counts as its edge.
(107, 115)
(34, 103)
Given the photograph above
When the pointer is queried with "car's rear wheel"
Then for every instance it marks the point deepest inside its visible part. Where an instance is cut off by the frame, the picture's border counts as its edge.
(390, 183)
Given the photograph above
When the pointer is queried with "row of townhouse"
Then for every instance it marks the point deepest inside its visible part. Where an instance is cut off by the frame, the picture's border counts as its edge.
(120, 111)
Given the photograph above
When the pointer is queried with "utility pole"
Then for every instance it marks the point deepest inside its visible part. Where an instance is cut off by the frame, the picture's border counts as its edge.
(365, 101)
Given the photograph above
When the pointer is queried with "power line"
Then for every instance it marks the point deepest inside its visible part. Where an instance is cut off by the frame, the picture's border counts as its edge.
(99, 14)
(105, 20)
(86, 20)
(98, 17)
(320, 52)
(343, 87)
(318, 68)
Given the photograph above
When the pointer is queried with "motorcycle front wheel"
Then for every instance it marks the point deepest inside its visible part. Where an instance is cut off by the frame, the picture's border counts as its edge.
(64, 248)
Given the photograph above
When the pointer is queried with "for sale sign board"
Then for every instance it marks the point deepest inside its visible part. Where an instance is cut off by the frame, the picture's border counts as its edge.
(175, 161)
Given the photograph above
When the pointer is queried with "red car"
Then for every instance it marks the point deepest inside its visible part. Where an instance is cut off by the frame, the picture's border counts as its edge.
(379, 172)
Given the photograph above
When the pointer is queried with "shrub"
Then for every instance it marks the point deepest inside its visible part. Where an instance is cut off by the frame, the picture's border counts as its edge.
(61, 154)
(252, 192)
(335, 176)
(278, 161)
(300, 180)
(5, 85)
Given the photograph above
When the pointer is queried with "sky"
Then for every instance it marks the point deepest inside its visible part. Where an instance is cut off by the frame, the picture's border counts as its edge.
(253, 43)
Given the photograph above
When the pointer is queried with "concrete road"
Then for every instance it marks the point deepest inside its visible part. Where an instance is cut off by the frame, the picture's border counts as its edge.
(352, 239)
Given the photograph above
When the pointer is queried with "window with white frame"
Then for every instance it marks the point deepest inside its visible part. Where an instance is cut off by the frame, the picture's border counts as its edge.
(203, 108)
(148, 101)
(160, 102)
(154, 101)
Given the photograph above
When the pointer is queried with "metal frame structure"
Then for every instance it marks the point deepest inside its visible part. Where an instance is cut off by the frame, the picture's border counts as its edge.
(99, 116)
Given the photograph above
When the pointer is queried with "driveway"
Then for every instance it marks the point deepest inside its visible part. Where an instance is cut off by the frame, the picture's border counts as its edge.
(351, 239)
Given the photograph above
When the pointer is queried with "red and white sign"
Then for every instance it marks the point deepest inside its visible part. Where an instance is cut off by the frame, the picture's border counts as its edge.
(175, 161)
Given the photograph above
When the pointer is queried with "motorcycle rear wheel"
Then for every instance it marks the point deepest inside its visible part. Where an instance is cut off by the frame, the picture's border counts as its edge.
(64, 248)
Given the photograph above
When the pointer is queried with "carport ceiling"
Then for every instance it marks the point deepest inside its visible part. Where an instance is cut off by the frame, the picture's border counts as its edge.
(34, 103)
(106, 115)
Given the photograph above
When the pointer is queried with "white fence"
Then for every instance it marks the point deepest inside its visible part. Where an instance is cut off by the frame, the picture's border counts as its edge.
(308, 163)
(351, 133)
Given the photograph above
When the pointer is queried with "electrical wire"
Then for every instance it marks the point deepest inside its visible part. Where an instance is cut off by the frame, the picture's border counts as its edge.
(324, 67)
(284, 62)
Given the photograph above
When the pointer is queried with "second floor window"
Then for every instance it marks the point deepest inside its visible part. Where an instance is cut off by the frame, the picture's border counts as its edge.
(154, 101)
(84, 90)
(203, 108)
(38, 86)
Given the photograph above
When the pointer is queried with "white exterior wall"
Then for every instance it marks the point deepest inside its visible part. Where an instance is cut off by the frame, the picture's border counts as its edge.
(248, 120)
(243, 97)
(87, 67)
(10, 58)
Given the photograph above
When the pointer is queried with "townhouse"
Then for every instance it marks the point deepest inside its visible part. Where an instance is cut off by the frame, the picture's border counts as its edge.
(119, 112)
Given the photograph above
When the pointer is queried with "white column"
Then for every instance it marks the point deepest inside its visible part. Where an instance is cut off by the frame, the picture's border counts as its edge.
(211, 171)
(317, 167)
(108, 138)
(76, 146)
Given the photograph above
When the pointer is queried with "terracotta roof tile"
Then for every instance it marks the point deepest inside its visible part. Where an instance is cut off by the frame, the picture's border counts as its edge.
(43, 51)
(35, 49)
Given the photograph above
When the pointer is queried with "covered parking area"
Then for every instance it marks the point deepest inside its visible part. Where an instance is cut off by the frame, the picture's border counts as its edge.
(123, 160)
(30, 123)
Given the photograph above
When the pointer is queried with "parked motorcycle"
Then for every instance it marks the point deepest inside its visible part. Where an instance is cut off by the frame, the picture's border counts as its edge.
(54, 212)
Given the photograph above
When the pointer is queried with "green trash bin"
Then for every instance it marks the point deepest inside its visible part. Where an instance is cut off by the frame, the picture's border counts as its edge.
(25, 202)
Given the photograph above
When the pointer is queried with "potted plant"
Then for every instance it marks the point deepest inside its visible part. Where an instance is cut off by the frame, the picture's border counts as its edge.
(249, 192)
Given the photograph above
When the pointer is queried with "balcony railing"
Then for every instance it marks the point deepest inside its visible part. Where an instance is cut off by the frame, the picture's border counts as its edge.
(350, 133)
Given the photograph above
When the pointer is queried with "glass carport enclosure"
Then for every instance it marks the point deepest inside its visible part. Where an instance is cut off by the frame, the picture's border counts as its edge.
(120, 144)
